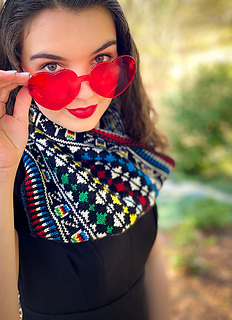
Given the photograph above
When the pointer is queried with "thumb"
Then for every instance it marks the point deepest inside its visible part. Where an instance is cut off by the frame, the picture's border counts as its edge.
(22, 105)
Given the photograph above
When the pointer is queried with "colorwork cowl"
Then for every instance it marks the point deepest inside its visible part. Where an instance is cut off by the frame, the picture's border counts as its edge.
(85, 186)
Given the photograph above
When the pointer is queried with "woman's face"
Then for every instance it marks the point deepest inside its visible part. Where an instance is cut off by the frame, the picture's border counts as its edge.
(61, 39)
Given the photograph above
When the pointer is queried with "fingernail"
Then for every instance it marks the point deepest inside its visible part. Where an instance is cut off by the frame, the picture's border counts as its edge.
(25, 73)
(11, 71)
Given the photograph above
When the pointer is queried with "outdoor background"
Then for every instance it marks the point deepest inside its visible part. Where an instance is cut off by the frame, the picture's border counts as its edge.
(186, 60)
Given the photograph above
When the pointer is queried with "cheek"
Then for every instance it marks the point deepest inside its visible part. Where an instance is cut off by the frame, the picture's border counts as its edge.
(104, 104)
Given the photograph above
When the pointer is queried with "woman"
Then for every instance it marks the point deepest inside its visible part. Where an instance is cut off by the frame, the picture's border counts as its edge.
(83, 206)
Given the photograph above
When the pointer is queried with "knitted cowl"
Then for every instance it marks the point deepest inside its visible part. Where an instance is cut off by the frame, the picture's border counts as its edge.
(85, 186)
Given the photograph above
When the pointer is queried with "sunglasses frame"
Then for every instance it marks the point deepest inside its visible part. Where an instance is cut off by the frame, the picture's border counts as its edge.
(74, 81)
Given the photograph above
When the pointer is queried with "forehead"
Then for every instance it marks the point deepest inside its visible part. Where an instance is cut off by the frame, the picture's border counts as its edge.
(61, 30)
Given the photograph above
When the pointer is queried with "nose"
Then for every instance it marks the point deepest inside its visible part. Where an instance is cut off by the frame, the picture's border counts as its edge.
(85, 91)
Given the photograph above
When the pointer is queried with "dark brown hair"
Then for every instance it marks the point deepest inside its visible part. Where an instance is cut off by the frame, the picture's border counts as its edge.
(136, 110)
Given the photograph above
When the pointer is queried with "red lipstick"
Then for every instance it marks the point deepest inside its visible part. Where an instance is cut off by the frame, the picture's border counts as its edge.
(83, 113)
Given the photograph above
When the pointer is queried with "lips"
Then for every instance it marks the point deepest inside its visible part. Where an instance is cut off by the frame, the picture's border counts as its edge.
(83, 113)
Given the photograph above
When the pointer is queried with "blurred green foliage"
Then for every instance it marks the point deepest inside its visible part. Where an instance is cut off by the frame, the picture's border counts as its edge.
(189, 238)
(206, 213)
(211, 214)
(187, 258)
(174, 37)
(202, 213)
(200, 116)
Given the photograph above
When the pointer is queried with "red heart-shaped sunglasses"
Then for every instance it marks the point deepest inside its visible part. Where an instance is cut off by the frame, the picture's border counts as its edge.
(108, 79)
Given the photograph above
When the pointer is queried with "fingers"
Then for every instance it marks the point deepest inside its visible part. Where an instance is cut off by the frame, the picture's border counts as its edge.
(22, 105)
(2, 109)
(4, 92)
(9, 80)
(13, 76)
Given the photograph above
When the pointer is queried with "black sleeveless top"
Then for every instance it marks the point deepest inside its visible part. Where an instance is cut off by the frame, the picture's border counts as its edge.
(93, 280)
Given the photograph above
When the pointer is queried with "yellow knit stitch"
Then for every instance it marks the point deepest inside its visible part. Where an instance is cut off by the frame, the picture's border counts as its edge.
(133, 218)
(125, 209)
(115, 200)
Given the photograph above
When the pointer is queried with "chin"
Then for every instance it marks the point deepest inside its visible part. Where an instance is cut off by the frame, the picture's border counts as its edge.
(82, 127)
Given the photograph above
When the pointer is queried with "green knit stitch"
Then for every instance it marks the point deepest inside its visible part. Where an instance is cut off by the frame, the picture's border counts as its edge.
(74, 186)
(101, 218)
(92, 207)
(110, 229)
(64, 178)
(83, 196)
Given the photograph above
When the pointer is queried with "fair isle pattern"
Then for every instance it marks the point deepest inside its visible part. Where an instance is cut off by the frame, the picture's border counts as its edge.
(88, 186)
(70, 135)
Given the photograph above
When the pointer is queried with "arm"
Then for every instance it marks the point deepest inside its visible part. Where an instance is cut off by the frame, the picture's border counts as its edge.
(13, 137)
(8, 251)
(156, 285)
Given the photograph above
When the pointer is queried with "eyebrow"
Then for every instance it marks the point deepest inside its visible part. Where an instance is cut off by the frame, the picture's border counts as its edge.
(105, 45)
(44, 55)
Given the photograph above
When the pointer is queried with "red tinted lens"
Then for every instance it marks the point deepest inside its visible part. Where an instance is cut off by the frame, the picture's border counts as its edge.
(54, 91)
(110, 79)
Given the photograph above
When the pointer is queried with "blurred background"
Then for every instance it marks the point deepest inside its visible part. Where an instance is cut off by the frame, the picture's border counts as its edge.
(186, 59)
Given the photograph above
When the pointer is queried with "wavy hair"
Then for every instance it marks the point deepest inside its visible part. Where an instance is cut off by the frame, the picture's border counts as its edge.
(136, 110)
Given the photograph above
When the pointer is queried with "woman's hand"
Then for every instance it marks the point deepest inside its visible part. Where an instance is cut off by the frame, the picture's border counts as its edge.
(13, 129)
(13, 138)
